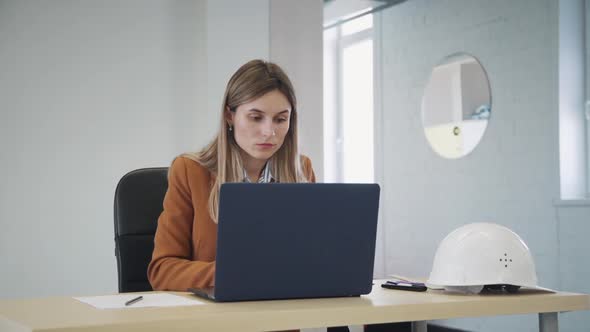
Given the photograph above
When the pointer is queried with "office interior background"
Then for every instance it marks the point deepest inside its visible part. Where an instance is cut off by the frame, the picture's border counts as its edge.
(90, 90)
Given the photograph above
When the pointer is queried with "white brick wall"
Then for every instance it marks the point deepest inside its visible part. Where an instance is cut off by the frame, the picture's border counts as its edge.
(512, 177)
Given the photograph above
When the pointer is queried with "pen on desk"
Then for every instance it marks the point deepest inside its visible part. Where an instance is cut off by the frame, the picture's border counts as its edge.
(130, 302)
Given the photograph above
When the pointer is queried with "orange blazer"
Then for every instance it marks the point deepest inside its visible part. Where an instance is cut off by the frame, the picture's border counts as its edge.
(186, 238)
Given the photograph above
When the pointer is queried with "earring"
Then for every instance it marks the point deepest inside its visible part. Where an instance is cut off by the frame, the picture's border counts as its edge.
(231, 128)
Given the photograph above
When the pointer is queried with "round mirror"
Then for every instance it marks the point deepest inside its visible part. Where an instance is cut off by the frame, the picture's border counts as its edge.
(456, 105)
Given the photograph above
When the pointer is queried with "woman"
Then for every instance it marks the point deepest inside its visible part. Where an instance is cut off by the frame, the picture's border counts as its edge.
(257, 142)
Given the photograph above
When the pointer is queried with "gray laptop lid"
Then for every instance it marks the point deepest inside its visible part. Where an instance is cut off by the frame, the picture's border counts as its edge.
(281, 241)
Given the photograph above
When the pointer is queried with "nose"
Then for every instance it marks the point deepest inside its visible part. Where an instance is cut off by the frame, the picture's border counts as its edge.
(268, 129)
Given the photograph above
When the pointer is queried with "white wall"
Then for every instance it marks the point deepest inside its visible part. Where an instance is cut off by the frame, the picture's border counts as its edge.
(512, 177)
(90, 91)
(299, 51)
(87, 92)
(237, 31)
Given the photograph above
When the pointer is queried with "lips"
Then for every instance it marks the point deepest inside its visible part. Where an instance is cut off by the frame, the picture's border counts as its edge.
(265, 145)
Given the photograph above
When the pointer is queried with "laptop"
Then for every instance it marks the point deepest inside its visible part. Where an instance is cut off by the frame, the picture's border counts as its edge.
(294, 240)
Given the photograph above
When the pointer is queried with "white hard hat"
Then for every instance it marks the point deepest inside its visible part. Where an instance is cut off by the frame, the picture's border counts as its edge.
(482, 254)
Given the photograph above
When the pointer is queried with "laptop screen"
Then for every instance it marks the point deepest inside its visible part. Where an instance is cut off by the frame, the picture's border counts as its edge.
(280, 241)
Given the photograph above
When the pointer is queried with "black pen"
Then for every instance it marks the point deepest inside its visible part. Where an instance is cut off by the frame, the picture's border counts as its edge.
(130, 302)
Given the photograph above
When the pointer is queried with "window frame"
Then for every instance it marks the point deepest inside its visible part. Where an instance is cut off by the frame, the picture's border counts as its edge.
(335, 172)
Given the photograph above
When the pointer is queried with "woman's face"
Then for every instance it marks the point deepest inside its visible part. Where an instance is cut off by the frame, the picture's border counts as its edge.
(260, 126)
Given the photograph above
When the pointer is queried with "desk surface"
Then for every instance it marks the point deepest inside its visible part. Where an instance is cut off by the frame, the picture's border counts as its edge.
(382, 305)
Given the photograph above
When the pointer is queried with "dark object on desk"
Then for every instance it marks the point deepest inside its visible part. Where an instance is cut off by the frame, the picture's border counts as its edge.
(137, 299)
(138, 204)
(501, 288)
(294, 240)
(338, 329)
(405, 285)
(407, 327)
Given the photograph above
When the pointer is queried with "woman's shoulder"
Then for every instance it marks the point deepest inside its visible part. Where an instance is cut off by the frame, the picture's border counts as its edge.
(307, 168)
(304, 160)
(189, 165)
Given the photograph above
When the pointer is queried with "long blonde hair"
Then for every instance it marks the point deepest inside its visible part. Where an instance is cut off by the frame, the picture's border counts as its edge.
(222, 158)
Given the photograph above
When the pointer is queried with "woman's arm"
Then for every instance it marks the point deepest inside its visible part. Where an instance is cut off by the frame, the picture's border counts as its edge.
(172, 267)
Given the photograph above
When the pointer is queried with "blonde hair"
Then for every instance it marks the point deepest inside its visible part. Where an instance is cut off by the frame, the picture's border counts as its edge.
(222, 158)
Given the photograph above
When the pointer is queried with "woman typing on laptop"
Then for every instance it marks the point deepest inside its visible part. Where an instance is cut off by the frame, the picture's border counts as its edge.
(257, 142)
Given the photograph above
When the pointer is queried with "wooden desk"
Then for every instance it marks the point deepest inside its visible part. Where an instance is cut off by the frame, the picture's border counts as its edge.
(382, 305)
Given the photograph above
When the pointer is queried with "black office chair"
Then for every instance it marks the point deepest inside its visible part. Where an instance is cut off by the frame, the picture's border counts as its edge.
(138, 204)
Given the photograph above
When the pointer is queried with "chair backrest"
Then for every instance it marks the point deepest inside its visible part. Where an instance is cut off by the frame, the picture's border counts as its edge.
(138, 204)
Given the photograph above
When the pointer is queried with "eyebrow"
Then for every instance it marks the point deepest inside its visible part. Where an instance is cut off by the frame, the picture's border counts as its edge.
(259, 111)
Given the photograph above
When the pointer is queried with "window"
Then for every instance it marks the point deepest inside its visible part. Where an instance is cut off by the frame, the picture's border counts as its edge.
(348, 101)
(574, 136)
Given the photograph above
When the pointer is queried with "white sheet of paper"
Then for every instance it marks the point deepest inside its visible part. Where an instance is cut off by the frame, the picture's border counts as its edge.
(149, 300)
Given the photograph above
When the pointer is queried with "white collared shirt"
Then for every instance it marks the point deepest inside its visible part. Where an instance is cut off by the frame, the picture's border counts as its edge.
(265, 176)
